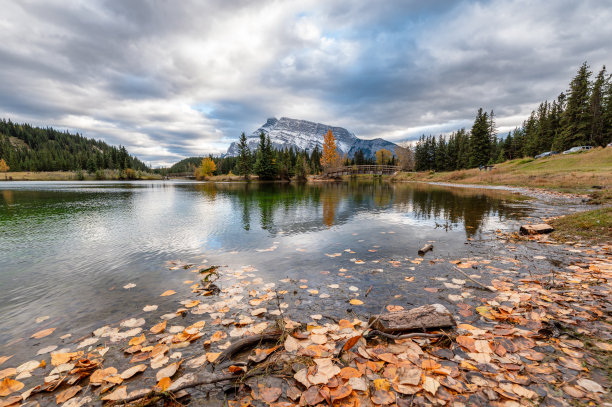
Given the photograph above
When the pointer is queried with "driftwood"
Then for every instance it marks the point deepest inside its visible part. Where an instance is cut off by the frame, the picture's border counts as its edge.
(404, 336)
(425, 249)
(540, 228)
(197, 380)
(422, 318)
(247, 342)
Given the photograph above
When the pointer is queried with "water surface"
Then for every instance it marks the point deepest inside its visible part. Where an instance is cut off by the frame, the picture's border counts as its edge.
(67, 249)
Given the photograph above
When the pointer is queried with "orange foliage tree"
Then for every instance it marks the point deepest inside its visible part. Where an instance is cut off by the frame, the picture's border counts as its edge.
(4, 166)
(330, 157)
(205, 169)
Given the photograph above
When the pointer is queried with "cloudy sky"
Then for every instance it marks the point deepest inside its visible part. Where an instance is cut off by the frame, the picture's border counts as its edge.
(176, 79)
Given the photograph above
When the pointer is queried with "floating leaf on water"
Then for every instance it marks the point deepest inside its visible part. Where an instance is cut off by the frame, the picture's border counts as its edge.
(168, 293)
(149, 308)
(43, 333)
(159, 328)
(355, 301)
(41, 319)
(128, 286)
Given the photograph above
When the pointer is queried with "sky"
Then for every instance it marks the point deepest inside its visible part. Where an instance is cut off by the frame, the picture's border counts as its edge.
(170, 80)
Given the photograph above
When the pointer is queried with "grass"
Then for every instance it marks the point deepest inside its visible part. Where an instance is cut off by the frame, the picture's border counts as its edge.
(66, 176)
(591, 226)
(574, 173)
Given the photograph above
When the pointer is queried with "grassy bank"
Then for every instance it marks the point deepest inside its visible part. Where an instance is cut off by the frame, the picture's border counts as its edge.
(575, 173)
(591, 226)
(74, 176)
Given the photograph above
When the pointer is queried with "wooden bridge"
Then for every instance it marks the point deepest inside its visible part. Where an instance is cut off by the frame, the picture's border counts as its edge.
(361, 169)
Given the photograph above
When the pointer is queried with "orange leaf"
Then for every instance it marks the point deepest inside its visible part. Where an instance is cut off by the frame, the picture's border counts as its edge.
(164, 383)
(351, 342)
(137, 340)
(348, 372)
(8, 386)
(167, 293)
(159, 328)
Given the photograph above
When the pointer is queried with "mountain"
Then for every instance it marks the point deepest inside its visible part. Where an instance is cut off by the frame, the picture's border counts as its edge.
(305, 135)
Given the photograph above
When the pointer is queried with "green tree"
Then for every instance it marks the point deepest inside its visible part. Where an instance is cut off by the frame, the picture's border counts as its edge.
(596, 105)
(480, 142)
(265, 165)
(245, 158)
(576, 121)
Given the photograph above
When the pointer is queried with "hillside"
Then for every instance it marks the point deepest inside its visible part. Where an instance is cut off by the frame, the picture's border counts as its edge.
(28, 148)
(578, 173)
(302, 135)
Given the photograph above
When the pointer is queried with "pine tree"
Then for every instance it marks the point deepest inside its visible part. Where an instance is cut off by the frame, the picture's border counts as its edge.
(265, 165)
(607, 112)
(480, 142)
(576, 121)
(596, 106)
(245, 158)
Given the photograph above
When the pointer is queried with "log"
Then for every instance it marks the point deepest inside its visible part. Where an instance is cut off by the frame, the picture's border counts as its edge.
(431, 316)
(425, 249)
(540, 228)
(248, 342)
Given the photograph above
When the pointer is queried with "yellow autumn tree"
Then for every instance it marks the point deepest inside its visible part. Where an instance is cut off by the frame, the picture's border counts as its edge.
(206, 168)
(4, 166)
(383, 156)
(330, 157)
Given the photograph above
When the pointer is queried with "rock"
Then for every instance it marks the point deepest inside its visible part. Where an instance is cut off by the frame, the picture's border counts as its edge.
(540, 228)
(305, 135)
(422, 318)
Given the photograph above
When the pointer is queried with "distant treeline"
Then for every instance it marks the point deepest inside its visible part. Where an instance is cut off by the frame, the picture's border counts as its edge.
(286, 163)
(580, 117)
(28, 148)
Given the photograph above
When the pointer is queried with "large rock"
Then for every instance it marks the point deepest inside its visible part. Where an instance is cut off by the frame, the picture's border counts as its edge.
(305, 135)
(538, 229)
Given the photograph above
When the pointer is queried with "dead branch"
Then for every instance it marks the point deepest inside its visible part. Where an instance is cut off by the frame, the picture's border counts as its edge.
(474, 281)
(247, 342)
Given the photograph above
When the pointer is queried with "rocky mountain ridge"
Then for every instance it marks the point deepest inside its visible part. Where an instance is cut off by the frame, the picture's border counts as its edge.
(306, 135)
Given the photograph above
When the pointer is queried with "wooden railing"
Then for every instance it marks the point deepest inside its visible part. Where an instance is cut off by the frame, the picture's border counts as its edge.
(361, 169)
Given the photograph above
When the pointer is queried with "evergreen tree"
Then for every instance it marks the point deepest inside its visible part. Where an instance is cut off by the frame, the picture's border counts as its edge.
(576, 121)
(245, 158)
(480, 142)
(265, 165)
(606, 115)
(596, 106)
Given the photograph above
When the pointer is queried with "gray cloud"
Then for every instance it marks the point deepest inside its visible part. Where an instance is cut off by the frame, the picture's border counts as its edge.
(170, 80)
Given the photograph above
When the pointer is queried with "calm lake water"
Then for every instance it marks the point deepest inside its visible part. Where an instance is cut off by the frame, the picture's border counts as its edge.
(67, 249)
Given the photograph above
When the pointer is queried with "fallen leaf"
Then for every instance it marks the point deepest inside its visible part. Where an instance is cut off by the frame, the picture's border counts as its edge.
(149, 308)
(11, 371)
(168, 371)
(67, 394)
(159, 328)
(270, 394)
(43, 333)
(383, 397)
(132, 371)
(349, 372)
(430, 384)
(8, 386)
(355, 301)
(4, 359)
(137, 340)
(119, 394)
(167, 293)
(394, 308)
(211, 357)
(590, 385)
(164, 383)
(351, 342)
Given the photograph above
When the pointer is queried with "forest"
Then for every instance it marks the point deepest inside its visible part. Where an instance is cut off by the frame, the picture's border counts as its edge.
(27, 148)
(581, 116)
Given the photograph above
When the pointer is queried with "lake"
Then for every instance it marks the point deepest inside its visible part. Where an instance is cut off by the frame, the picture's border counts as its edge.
(68, 249)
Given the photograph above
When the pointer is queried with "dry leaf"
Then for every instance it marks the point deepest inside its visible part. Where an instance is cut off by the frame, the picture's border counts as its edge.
(168, 371)
(132, 371)
(119, 394)
(137, 340)
(356, 302)
(430, 384)
(8, 386)
(67, 394)
(164, 383)
(383, 397)
(167, 293)
(43, 333)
